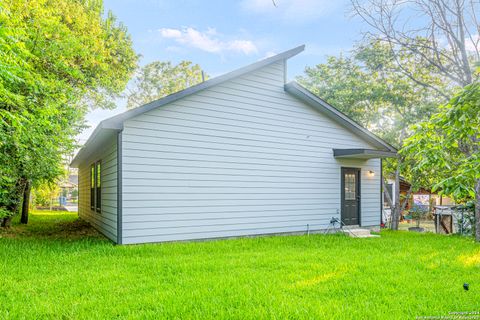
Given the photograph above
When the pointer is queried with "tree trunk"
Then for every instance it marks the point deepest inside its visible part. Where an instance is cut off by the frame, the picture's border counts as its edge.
(6, 222)
(477, 210)
(396, 206)
(26, 203)
(407, 198)
(388, 196)
(14, 206)
(396, 210)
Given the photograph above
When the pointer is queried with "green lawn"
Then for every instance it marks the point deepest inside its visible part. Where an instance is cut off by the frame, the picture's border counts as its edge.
(57, 267)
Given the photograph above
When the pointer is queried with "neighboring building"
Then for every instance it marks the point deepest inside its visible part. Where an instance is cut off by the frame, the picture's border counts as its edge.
(241, 154)
(423, 197)
(69, 186)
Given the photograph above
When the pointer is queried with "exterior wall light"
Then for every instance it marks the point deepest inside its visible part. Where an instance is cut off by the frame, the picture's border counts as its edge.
(371, 173)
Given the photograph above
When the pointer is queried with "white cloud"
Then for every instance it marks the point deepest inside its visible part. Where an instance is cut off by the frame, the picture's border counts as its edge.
(292, 10)
(170, 33)
(209, 41)
(246, 46)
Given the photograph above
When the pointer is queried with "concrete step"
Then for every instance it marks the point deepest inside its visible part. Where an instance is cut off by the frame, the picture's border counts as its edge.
(366, 236)
(358, 233)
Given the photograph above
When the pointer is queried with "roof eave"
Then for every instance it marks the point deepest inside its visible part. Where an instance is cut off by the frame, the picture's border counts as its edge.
(89, 146)
(116, 122)
(363, 154)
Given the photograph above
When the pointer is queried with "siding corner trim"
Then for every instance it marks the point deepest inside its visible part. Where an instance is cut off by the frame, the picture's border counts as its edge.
(119, 188)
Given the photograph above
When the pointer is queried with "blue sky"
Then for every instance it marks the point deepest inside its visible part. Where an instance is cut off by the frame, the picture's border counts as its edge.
(224, 35)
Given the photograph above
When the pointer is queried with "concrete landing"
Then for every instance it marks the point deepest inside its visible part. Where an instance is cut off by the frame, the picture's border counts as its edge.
(359, 233)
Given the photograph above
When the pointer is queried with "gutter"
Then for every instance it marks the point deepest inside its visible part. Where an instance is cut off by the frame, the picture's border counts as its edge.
(381, 193)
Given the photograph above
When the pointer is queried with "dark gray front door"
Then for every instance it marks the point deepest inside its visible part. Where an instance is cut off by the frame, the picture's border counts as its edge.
(350, 196)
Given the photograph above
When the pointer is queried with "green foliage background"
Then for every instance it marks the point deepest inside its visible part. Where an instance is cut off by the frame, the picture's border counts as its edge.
(159, 79)
(57, 59)
(447, 146)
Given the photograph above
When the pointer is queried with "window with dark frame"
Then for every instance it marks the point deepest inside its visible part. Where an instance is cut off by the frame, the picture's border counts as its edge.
(96, 186)
(98, 176)
(92, 187)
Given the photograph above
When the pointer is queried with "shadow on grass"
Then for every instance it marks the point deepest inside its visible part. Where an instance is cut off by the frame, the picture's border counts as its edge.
(51, 225)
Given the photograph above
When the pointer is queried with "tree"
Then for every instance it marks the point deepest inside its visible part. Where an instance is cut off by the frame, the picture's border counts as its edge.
(441, 35)
(347, 85)
(46, 193)
(370, 88)
(57, 59)
(159, 79)
(450, 142)
(435, 35)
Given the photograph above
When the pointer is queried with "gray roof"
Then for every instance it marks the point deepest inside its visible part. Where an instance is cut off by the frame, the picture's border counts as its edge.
(104, 129)
(109, 127)
(363, 153)
(116, 122)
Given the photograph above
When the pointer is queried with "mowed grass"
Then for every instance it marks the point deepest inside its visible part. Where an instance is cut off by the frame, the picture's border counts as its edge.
(58, 267)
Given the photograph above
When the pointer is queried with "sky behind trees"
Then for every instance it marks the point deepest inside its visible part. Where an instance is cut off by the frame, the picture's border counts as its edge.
(224, 35)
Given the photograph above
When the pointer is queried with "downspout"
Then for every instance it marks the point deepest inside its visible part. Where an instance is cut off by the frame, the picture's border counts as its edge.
(119, 188)
(381, 193)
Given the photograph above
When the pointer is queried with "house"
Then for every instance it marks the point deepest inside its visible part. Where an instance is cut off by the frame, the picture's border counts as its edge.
(69, 186)
(242, 154)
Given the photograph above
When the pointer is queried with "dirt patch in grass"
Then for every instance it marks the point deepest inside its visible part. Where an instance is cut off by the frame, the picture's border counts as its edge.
(73, 229)
(7, 233)
(67, 226)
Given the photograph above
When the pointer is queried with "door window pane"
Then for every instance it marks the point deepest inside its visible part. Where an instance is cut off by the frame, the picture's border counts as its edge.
(350, 186)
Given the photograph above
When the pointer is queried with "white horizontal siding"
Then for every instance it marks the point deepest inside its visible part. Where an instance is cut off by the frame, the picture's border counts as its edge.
(106, 221)
(214, 232)
(240, 158)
